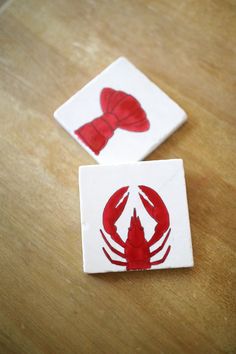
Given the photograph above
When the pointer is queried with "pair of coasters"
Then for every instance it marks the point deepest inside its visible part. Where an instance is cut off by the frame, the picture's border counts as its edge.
(134, 215)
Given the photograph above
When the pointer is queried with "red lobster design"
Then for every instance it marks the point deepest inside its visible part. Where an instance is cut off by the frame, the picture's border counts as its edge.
(137, 254)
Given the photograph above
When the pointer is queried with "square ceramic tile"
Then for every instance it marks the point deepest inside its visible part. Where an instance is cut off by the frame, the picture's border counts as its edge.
(120, 116)
(134, 217)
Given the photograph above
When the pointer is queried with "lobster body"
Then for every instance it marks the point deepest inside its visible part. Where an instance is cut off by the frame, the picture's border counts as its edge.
(136, 248)
(137, 257)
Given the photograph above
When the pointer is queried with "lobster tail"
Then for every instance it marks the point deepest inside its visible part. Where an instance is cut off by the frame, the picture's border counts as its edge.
(120, 110)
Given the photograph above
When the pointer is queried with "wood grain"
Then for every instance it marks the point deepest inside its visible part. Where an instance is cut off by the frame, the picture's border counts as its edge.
(48, 50)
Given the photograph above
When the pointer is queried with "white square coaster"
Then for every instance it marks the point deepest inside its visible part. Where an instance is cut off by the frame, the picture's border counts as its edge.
(134, 217)
(120, 116)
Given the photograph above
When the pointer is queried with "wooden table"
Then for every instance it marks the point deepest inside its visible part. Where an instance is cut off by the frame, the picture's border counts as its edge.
(50, 49)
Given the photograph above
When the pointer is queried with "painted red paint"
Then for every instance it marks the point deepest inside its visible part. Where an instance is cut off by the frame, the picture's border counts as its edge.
(120, 110)
(136, 253)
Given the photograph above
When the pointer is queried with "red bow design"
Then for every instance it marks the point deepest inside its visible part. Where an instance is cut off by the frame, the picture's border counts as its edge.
(120, 110)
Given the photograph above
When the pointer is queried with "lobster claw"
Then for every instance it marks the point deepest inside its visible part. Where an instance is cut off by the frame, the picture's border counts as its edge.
(114, 209)
(157, 210)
